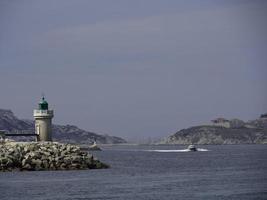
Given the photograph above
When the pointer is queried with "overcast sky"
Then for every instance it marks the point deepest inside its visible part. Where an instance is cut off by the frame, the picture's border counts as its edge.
(134, 68)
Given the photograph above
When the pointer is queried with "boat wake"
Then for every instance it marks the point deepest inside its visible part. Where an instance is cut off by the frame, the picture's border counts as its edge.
(175, 151)
(198, 149)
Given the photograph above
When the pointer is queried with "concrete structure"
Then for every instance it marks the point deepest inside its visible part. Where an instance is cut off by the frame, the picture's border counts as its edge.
(221, 122)
(43, 121)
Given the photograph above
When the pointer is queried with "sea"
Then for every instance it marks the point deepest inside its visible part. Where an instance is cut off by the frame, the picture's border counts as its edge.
(157, 172)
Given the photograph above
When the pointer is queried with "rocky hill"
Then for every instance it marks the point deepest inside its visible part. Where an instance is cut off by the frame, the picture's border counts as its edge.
(223, 132)
(61, 133)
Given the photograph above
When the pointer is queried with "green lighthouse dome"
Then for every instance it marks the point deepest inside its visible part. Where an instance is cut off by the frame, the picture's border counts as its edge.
(43, 105)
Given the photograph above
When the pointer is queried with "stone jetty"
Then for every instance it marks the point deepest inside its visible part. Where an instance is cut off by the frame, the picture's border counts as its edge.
(37, 156)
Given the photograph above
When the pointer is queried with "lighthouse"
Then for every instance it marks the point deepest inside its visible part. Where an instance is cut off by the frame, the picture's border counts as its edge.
(43, 121)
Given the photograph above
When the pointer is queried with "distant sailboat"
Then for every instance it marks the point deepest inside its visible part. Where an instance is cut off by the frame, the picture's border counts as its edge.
(94, 147)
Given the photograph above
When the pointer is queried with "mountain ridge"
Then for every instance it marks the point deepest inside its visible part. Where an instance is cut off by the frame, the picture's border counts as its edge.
(62, 133)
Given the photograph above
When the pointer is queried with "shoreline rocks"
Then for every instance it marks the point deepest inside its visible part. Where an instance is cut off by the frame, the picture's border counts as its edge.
(38, 156)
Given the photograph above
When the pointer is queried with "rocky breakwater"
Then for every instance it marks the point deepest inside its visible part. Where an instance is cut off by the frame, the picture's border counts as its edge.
(33, 156)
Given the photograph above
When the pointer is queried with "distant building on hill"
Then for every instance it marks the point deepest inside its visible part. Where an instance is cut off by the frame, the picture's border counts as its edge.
(221, 122)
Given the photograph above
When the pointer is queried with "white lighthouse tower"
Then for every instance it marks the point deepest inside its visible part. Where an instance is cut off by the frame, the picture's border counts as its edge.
(43, 121)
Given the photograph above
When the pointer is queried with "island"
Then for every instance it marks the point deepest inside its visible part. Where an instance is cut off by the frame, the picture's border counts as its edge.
(222, 131)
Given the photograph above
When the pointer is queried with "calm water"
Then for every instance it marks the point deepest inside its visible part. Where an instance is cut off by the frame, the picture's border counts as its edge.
(224, 172)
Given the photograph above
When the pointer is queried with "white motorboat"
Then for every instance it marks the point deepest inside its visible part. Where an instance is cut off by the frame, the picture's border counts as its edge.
(192, 148)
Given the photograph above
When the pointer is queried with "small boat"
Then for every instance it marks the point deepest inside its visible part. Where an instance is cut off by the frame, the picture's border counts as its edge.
(192, 148)
(94, 147)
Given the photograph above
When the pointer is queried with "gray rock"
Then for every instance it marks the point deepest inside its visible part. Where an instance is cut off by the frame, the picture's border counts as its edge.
(45, 156)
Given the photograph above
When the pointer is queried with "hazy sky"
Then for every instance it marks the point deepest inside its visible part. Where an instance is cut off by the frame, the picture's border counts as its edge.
(134, 68)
